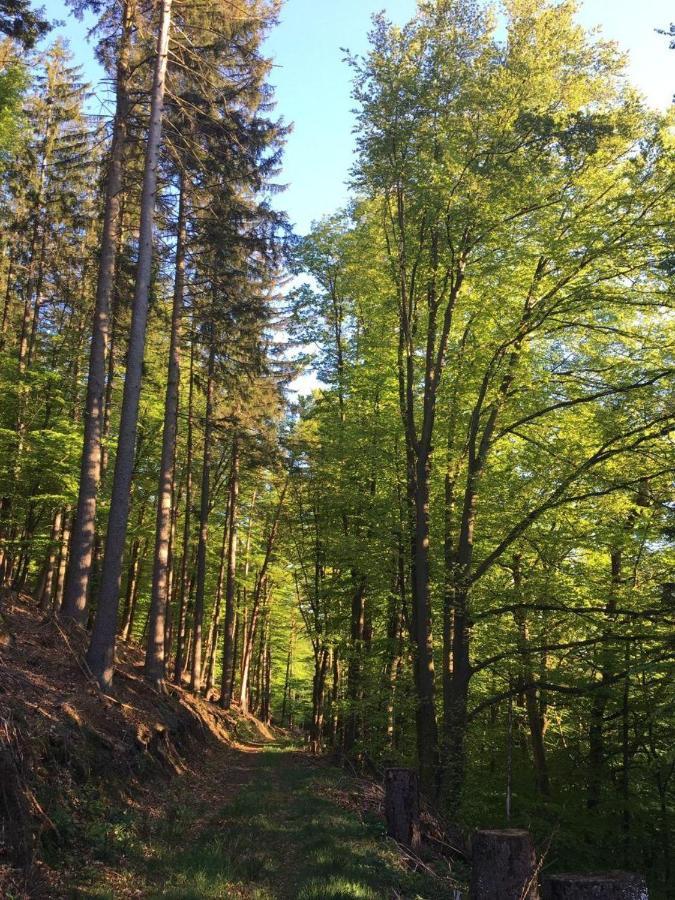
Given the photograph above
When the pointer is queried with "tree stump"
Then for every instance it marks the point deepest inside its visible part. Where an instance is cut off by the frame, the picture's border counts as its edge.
(602, 886)
(402, 806)
(504, 865)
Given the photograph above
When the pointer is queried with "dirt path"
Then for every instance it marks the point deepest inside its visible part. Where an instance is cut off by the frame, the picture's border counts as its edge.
(259, 821)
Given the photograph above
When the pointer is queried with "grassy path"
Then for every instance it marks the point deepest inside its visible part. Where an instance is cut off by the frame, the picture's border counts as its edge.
(274, 827)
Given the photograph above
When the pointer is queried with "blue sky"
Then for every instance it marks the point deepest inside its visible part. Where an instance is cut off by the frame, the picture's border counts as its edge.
(313, 82)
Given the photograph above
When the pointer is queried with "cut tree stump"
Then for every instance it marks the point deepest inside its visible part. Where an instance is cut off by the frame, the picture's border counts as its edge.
(402, 806)
(601, 886)
(504, 865)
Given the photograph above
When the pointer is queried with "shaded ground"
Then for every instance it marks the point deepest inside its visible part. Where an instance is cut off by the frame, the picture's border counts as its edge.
(137, 795)
(258, 822)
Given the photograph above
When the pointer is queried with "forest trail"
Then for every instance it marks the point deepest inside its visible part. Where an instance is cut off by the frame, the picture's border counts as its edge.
(223, 806)
(264, 821)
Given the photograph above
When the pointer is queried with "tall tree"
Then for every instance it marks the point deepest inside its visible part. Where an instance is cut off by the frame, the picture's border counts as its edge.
(101, 653)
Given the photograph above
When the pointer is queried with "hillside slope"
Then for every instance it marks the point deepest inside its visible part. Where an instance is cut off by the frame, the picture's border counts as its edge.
(138, 795)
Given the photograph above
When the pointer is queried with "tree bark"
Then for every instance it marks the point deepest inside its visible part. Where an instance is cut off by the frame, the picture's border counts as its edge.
(187, 524)
(358, 621)
(504, 866)
(214, 626)
(607, 886)
(132, 590)
(196, 673)
(45, 586)
(64, 549)
(154, 658)
(261, 586)
(402, 807)
(101, 653)
(230, 586)
(534, 716)
(84, 528)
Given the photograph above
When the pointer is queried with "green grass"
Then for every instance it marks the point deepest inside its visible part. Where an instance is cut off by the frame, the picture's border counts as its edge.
(280, 837)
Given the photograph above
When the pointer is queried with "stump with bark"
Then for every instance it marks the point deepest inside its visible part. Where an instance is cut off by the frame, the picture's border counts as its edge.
(402, 806)
(504, 865)
(602, 886)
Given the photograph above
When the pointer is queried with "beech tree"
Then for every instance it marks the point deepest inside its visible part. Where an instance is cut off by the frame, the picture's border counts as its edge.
(456, 552)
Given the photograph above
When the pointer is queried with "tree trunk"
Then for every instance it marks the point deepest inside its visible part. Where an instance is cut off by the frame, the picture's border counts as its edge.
(187, 523)
(321, 659)
(154, 658)
(334, 700)
(455, 706)
(427, 730)
(607, 886)
(358, 621)
(402, 807)
(504, 866)
(534, 717)
(248, 644)
(261, 586)
(101, 653)
(214, 626)
(228, 649)
(79, 569)
(64, 549)
(286, 702)
(196, 675)
(596, 729)
(131, 591)
(45, 586)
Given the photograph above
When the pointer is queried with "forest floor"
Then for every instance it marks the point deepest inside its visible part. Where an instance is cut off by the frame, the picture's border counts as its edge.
(259, 822)
(137, 795)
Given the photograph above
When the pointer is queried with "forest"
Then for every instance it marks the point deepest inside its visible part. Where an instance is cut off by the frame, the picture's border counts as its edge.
(454, 553)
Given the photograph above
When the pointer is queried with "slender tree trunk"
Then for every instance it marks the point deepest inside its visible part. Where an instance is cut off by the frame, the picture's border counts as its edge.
(101, 653)
(358, 622)
(394, 626)
(321, 659)
(455, 711)
(596, 730)
(7, 301)
(427, 730)
(534, 718)
(64, 549)
(239, 631)
(187, 525)
(214, 626)
(154, 658)
(261, 586)
(334, 700)
(228, 649)
(625, 763)
(137, 576)
(196, 676)
(288, 680)
(79, 569)
(45, 587)
(130, 596)
(265, 709)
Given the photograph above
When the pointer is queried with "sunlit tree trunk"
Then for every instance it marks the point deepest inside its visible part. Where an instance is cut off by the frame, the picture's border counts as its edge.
(84, 528)
(101, 653)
